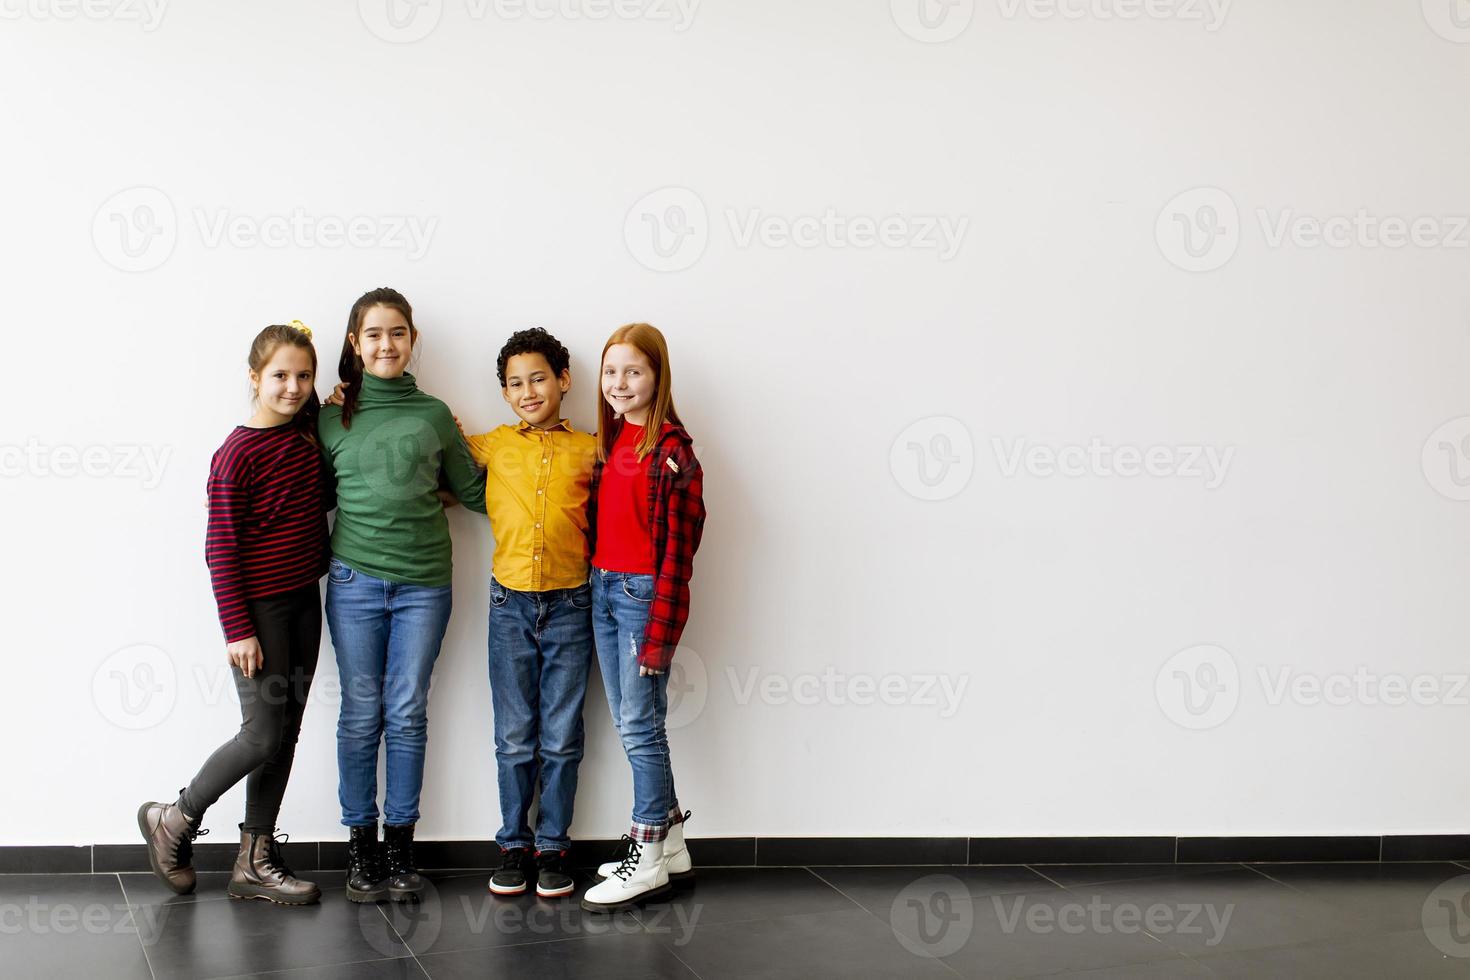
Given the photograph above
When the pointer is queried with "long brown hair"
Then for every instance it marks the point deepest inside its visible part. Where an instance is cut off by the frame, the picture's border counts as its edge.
(264, 347)
(349, 365)
(649, 342)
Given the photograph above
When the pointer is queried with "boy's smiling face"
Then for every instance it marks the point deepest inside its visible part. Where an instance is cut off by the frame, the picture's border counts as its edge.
(533, 391)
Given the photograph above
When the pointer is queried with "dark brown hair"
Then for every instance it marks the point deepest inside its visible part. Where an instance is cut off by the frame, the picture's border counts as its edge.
(349, 366)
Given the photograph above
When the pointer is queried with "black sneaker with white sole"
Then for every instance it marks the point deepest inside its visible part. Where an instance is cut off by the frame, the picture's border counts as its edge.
(510, 877)
(552, 879)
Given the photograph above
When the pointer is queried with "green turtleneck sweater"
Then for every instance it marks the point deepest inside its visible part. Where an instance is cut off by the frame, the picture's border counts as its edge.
(390, 523)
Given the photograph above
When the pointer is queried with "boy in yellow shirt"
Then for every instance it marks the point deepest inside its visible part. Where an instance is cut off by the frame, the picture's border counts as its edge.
(538, 472)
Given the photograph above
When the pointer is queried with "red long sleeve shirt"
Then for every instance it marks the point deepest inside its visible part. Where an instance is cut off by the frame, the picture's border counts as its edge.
(269, 493)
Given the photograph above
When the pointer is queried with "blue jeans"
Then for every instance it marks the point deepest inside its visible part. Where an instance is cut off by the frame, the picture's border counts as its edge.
(387, 637)
(540, 653)
(639, 705)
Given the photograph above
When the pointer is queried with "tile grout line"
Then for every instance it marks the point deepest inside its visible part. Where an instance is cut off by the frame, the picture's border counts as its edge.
(133, 914)
(389, 923)
(860, 905)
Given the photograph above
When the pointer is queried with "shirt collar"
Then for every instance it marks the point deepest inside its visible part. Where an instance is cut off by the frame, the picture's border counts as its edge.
(523, 425)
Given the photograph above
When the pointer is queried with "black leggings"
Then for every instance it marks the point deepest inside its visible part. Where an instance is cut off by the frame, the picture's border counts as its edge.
(289, 628)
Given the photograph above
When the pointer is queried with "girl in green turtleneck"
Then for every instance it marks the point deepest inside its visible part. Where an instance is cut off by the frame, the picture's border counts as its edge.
(391, 447)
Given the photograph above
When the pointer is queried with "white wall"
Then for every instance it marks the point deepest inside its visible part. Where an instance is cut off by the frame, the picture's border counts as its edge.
(1332, 542)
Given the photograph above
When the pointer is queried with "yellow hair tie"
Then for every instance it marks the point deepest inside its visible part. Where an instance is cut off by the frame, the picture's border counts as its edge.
(302, 327)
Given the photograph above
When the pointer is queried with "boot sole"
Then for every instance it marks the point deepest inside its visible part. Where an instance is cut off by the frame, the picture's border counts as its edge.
(631, 903)
(278, 900)
(405, 894)
(679, 879)
(503, 890)
(152, 860)
(367, 898)
(555, 892)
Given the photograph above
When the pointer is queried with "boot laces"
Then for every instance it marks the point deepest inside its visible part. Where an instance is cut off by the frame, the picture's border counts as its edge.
(184, 851)
(630, 860)
(274, 857)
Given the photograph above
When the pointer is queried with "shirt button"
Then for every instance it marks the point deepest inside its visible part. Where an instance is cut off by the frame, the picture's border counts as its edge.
(538, 525)
(546, 460)
(538, 557)
(540, 491)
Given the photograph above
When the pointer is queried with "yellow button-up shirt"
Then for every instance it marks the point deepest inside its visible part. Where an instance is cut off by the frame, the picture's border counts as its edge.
(536, 498)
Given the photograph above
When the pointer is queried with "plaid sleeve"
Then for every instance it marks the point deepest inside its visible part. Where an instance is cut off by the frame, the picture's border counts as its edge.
(678, 539)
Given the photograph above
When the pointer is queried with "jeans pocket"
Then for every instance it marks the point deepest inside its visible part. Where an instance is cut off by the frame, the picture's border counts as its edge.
(498, 595)
(340, 573)
(638, 587)
(581, 597)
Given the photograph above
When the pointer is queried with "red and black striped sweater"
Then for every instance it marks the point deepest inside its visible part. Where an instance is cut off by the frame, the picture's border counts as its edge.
(269, 493)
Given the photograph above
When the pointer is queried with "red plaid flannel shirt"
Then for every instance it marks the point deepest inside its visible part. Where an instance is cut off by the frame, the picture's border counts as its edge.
(676, 522)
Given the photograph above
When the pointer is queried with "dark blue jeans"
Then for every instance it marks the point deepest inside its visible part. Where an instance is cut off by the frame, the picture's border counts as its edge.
(387, 636)
(540, 653)
(620, 605)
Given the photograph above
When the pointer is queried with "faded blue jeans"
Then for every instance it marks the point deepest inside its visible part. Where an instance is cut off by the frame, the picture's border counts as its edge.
(620, 605)
(387, 636)
(540, 654)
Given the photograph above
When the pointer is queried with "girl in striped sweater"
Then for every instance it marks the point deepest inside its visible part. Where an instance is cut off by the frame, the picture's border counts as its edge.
(269, 493)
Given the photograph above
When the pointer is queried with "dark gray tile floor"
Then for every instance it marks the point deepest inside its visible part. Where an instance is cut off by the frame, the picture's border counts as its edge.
(1122, 921)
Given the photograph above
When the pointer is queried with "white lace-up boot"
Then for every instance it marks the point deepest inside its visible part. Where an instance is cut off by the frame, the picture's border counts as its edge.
(639, 877)
(676, 857)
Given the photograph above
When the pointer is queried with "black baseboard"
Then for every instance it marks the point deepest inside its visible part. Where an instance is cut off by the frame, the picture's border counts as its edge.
(745, 852)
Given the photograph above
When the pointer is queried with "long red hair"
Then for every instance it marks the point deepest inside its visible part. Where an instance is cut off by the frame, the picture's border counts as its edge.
(648, 341)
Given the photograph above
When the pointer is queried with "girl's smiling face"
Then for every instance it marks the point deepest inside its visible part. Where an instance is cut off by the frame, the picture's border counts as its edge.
(628, 383)
(384, 342)
(284, 384)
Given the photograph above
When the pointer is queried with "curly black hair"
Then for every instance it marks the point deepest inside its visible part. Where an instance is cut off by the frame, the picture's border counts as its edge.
(533, 341)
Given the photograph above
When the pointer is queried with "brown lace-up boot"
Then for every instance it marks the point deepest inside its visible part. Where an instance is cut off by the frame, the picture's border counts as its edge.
(170, 835)
(260, 872)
